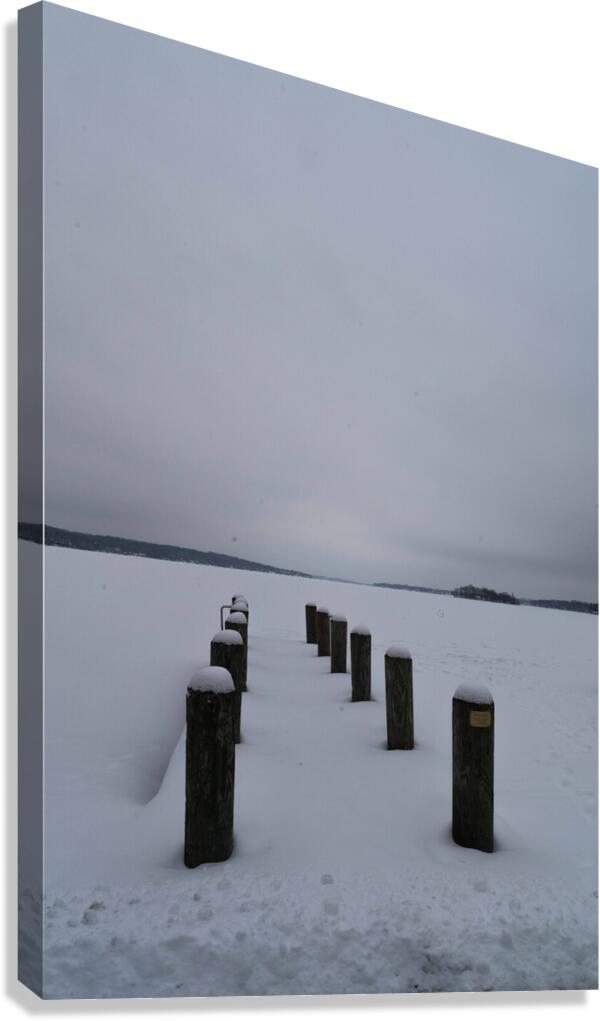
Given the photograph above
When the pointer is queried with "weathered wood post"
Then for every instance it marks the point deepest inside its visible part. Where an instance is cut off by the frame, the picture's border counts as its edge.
(360, 663)
(227, 650)
(473, 767)
(238, 622)
(323, 641)
(209, 767)
(311, 623)
(399, 698)
(338, 643)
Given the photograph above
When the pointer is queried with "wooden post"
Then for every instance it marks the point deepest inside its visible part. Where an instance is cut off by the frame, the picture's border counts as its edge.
(338, 643)
(227, 650)
(473, 767)
(311, 623)
(360, 663)
(323, 641)
(209, 767)
(399, 698)
(237, 622)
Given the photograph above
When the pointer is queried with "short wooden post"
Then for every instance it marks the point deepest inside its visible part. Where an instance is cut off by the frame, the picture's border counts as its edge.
(473, 767)
(360, 663)
(237, 622)
(323, 640)
(209, 767)
(399, 698)
(227, 650)
(338, 643)
(311, 623)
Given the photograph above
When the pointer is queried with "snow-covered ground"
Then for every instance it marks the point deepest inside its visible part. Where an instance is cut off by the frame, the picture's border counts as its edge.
(344, 877)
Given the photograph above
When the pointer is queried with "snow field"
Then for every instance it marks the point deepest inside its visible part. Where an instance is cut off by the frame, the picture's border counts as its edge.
(344, 877)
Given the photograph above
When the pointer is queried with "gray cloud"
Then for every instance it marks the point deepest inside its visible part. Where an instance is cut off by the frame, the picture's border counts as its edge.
(302, 327)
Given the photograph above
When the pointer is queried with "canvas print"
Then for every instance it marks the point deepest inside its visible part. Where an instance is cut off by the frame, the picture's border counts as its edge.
(307, 536)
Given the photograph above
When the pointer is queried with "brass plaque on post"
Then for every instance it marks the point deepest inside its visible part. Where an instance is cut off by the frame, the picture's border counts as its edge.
(480, 718)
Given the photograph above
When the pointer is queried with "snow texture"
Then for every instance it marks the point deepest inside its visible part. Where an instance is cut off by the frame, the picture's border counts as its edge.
(477, 693)
(322, 609)
(215, 679)
(344, 877)
(229, 637)
(236, 618)
(398, 652)
(338, 616)
(361, 629)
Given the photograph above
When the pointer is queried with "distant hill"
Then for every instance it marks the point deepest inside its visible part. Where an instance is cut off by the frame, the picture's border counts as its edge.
(137, 548)
(413, 588)
(160, 551)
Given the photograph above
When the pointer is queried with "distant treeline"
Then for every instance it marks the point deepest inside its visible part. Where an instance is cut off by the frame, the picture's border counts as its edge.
(135, 547)
(473, 592)
(562, 604)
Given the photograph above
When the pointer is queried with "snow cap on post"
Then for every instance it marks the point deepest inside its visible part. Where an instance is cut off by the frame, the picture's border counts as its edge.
(398, 652)
(236, 618)
(338, 616)
(228, 638)
(477, 693)
(360, 629)
(215, 679)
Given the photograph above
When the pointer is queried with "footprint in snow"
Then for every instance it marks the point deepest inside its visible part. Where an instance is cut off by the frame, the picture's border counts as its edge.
(326, 879)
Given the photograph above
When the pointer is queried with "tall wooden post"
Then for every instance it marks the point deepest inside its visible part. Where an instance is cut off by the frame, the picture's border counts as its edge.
(227, 650)
(473, 767)
(360, 663)
(311, 623)
(209, 767)
(323, 640)
(238, 622)
(399, 698)
(338, 643)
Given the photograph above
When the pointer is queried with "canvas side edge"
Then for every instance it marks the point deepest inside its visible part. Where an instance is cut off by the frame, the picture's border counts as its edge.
(30, 495)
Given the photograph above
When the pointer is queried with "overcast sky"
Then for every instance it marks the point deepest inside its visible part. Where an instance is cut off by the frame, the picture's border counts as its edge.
(300, 327)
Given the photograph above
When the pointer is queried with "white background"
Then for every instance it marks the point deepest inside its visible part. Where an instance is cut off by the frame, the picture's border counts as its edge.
(522, 70)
